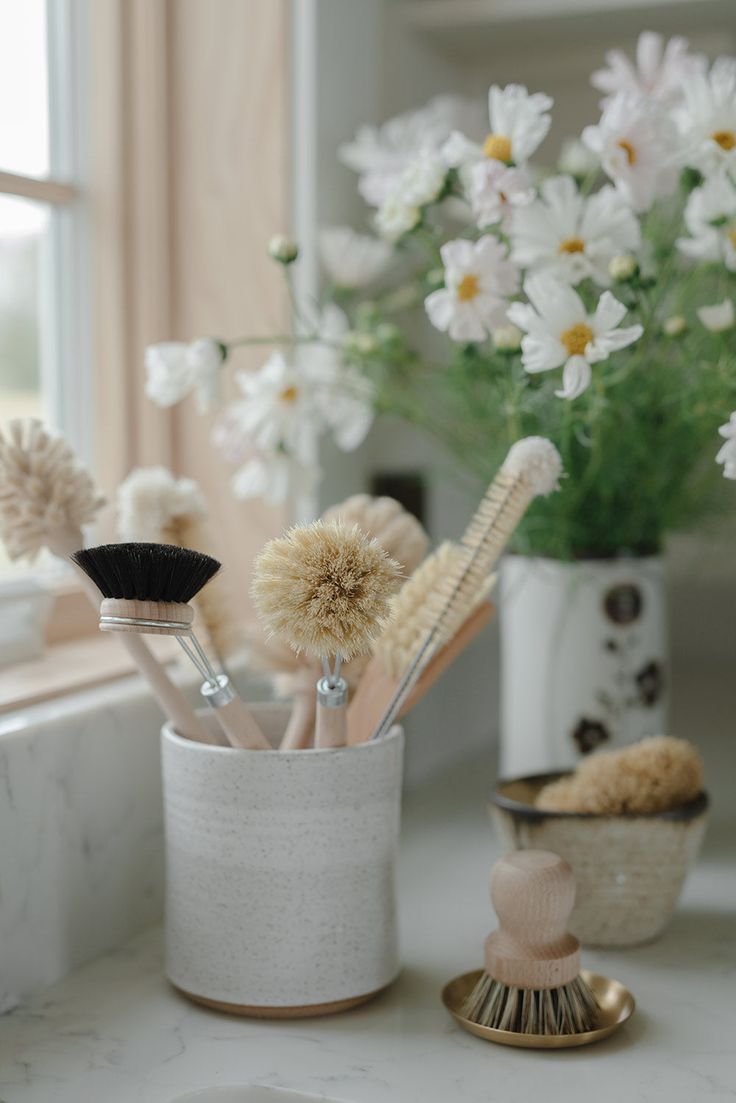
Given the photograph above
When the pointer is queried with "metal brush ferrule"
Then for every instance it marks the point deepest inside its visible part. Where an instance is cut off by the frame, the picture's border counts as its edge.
(177, 627)
(332, 693)
(218, 695)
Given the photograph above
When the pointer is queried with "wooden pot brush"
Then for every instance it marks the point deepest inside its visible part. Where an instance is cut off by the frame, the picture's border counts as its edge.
(532, 983)
(46, 496)
(146, 589)
(532, 467)
(325, 588)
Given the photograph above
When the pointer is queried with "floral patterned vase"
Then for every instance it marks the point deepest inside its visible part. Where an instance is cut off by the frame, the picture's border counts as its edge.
(583, 658)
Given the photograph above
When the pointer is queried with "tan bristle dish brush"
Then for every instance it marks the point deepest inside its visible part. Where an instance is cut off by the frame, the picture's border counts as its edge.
(532, 993)
(531, 468)
(46, 496)
(146, 590)
(325, 589)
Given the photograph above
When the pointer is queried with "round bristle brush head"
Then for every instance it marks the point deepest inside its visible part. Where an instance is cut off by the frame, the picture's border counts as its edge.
(325, 588)
(147, 572)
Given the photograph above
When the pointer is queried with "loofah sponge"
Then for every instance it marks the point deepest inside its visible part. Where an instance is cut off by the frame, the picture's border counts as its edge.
(652, 776)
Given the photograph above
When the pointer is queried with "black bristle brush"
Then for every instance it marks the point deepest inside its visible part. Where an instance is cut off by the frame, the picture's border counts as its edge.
(146, 589)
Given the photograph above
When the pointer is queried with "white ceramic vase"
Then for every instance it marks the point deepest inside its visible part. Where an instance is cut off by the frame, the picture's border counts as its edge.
(280, 896)
(583, 658)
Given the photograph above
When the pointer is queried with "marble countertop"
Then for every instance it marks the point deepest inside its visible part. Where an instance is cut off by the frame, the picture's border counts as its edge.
(114, 1032)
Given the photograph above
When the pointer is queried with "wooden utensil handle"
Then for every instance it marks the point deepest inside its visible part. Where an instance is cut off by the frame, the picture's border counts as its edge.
(298, 734)
(533, 893)
(331, 728)
(240, 726)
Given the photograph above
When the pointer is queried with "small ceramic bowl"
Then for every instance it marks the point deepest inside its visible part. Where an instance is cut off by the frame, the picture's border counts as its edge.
(629, 869)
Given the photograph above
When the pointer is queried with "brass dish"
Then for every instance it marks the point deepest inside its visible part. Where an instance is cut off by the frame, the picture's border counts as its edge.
(615, 1001)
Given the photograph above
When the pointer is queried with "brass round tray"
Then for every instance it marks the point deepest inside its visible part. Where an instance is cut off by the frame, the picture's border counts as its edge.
(615, 1001)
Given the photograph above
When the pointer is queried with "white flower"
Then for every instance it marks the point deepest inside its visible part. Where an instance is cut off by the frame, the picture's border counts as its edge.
(175, 369)
(395, 218)
(283, 249)
(576, 159)
(276, 410)
(353, 260)
(561, 334)
(518, 125)
(660, 72)
(341, 394)
(718, 318)
(507, 338)
(710, 216)
(421, 181)
(274, 477)
(727, 452)
(495, 189)
(477, 277)
(570, 236)
(636, 144)
(380, 154)
(707, 118)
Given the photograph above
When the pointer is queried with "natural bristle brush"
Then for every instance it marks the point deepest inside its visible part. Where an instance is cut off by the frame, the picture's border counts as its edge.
(452, 583)
(531, 991)
(325, 589)
(46, 496)
(146, 590)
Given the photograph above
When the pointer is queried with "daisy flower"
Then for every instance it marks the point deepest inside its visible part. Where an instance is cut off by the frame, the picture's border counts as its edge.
(660, 72)
(274, 477)
(380, 154)
(634, 141)
(477, 277)
(718, 318)
(559, 332)
(495, 189)
(276, 410)
(727, 453)
(342, 396)
(519, 123)
(353, 260)
(175, 369)
(707, 118)
(570, 236)
(710, 216)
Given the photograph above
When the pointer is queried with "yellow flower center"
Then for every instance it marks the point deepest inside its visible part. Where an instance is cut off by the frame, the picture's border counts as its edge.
(731, 235)
(628, 150)
(726, 139)
(572, 245)
(497, 146)
(468, 288)
(289, 394)
(577, 338)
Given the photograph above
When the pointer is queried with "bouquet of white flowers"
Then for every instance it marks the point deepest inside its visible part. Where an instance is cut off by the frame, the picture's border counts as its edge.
(592, 304)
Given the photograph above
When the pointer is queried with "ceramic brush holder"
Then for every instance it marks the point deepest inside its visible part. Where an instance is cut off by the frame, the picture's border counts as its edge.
(280, 898)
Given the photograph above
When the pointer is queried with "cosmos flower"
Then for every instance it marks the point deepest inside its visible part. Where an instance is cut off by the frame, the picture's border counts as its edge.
(478, 277)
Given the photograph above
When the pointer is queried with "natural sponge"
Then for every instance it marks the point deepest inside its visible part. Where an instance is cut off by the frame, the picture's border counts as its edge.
(652, 776)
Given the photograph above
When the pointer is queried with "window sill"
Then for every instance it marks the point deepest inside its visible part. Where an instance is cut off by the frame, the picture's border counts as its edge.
(72, 666)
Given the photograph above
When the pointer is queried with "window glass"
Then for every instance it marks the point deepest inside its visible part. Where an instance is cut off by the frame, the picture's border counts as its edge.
(24, 113)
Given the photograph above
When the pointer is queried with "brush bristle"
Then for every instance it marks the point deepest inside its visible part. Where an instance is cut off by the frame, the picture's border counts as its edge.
(428, 601)
(43, 488)
(147, 572)
(150, 498)
(570, 1009)
(325, 588)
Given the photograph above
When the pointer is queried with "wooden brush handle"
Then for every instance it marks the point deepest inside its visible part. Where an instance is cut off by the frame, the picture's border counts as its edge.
(298, 734)
(533, 892)
(240, 726)
(376, 687)
(331, 728)
(172, 700)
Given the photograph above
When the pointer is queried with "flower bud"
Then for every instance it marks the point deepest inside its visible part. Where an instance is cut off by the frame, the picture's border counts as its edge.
(283, 249)
(623, 267)
(507, 338)
(674, 326)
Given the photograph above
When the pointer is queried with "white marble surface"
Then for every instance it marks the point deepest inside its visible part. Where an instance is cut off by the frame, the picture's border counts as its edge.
(114, 1032)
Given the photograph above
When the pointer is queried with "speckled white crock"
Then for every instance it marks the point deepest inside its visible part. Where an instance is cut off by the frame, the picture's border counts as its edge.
(280, 869)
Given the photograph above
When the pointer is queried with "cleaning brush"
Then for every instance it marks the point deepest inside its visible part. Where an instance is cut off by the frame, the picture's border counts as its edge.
(147, 589)
(46, 496)
(155, 507)
(325, 588)
(294, 676)
(532, 467)
(532, 983)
